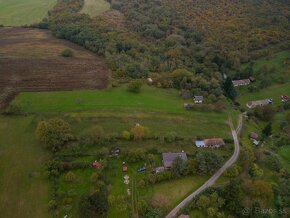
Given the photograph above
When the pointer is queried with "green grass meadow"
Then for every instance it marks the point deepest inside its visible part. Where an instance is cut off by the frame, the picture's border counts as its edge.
(24, 190)
(117, 110)
(95, 7)
(19, 12)
(275, 61)
(273, 92)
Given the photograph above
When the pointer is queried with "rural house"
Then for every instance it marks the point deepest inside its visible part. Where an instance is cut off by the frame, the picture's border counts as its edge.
(168, 158)
(214, 142)
(198, 99)
(259, 103)
(241, 82)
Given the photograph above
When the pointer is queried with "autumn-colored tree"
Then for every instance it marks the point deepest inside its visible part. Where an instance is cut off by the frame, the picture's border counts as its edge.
(262, 189)
(138, 132)
(53, 133)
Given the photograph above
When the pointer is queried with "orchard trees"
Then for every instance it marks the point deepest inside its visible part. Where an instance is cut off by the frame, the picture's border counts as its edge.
(53, 133)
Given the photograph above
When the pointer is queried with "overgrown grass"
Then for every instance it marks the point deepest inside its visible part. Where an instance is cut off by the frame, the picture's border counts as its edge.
(275, 61)
(170, 193)
(273, 92)
(19, 12)
(23, 190)
(95, 7)
(117, 110)
(285, 154)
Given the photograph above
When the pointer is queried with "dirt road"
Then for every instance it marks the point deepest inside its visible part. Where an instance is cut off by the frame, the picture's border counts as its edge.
(213, 179)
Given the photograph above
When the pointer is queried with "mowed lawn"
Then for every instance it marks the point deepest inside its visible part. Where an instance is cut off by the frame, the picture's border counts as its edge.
(273, 92)
(95, 7)
(117, 110)
(24, 192)
(21, 12)
(115, 99)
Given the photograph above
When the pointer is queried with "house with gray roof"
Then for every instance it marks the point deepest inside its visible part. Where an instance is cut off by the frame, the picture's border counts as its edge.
(198, 99)
(259, 103)
(168, 158)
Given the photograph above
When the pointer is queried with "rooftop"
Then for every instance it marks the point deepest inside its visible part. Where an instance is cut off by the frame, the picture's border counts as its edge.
(168, 158)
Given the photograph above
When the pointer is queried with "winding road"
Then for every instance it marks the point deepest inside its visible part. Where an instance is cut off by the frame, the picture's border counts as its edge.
(213, 179)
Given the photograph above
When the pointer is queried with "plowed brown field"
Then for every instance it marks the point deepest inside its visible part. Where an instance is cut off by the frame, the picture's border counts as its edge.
(30, 60)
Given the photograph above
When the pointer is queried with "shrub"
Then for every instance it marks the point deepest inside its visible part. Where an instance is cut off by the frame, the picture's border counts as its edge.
(13, 109)
(126, 135)
(67, 53)
(52, 205)
(135, 155)
(135, 86)
(70, 177)
(94, 205)
(138, 132)
(93, 135)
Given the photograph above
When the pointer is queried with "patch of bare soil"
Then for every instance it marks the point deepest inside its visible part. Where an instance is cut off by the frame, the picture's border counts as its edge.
(30, 60)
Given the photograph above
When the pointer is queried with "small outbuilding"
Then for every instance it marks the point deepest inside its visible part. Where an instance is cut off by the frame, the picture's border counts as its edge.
(253, 136)
(187, 106)
(285, 98)
(97, 165)
(159, 169)
(115, 151)
(124, 167)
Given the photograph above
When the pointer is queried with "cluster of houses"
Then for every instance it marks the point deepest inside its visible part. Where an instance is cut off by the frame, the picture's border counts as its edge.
(243, 82)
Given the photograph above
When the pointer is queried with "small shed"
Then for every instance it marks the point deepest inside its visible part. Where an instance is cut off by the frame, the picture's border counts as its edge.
(285, 98)
(115, 151)
(97, 165)
(124, 167)
(159, 169)
(253, 136)
(252, 79)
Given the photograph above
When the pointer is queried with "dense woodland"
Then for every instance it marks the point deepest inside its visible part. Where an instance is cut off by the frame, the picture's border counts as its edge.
(189, 45)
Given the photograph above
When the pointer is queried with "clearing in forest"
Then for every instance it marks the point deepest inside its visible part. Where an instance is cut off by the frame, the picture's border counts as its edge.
(95, 7)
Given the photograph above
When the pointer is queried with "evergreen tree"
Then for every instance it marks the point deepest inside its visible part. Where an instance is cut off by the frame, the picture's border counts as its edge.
(229, 89)
(267, 131)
